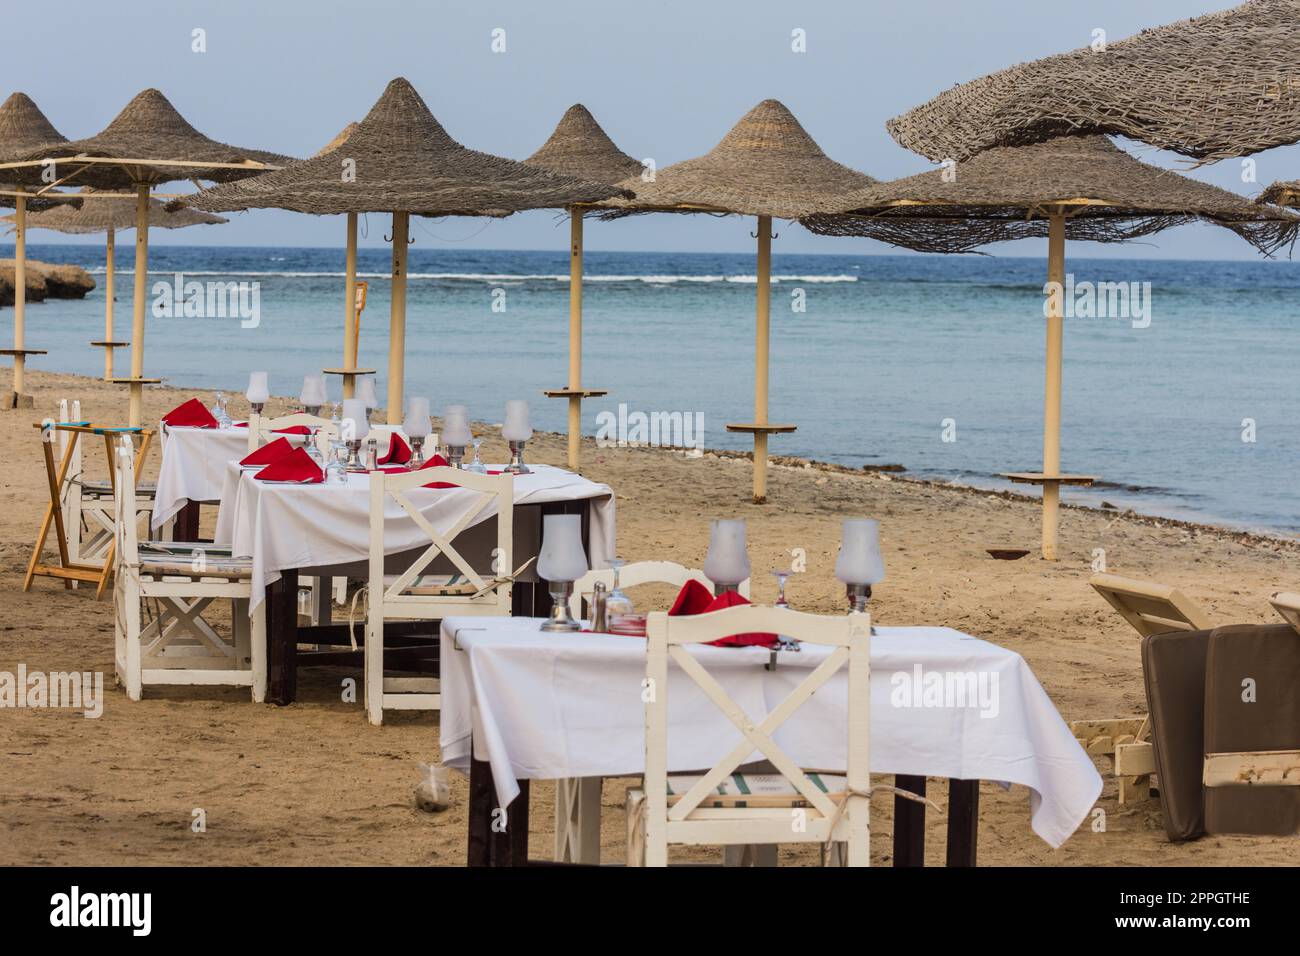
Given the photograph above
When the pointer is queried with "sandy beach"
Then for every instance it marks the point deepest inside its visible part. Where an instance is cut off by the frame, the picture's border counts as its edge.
(313, 783)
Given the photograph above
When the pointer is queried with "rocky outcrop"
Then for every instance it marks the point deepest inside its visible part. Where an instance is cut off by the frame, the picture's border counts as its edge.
(45, 280)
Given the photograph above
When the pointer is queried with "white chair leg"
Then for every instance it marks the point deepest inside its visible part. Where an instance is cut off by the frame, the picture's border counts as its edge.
(636, 848)
(577, 820)
(340, 590)
(259, 653)
(374, 667)
(134, 665)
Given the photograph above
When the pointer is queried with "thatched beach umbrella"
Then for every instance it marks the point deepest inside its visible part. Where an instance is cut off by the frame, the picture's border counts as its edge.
(148, 143)
(1216, 86)
(400, 160)
(1281, 194)
(1076, 187)
(769, 167)
(23, 127)
(579, 147)
(109, 218)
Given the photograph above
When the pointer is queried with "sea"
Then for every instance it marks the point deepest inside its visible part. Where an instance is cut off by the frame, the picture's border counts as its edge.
(1189, 409)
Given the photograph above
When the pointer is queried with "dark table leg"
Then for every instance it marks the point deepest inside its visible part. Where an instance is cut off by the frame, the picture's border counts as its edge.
(963, 821)
(282, 639)
(909, 823)
(481, 802)
(186, 526)
(496, 837)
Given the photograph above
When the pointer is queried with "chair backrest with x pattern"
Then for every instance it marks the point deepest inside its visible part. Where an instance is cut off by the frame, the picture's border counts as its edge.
(669, 639)
(262, 430)
(638, 573)
(484, 591)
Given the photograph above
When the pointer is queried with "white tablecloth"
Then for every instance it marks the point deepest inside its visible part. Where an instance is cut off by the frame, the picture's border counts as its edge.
(194, 464)
(283, 526)
(551, 706)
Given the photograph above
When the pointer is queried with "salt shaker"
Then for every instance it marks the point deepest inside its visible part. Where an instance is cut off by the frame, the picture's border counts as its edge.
(598, 594)
(372, 454)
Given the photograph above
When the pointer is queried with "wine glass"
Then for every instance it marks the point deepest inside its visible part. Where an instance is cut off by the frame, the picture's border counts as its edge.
(781, 577)
(313, 447)
(336, 472)
(477, 465)
(617, 604)
(219, 411)
(783, 643)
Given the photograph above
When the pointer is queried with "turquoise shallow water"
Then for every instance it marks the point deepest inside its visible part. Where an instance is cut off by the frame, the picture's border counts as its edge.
(887, 350)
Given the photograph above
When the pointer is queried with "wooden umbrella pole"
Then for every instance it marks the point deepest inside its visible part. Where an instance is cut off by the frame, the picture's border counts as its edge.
(350, 330)
(141, 277)
(110, 247)
(20, 292)
(1052, 396)
(397, 319)
(762, 312)
(575, 336)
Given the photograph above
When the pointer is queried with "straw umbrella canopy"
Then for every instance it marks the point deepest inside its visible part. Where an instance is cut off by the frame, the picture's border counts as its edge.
(1212, 87)
(579, 147)
(400, 160)
(23, 127)
(108, 218)
(1076, 187)
(147, 144)
(768, 167)
(1281, 194)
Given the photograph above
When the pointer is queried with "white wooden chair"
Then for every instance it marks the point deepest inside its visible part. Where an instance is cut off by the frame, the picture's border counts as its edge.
(415, 594)
(262, 430)
(88, 511)
(638, 573)
(178, 581)
(715, 809)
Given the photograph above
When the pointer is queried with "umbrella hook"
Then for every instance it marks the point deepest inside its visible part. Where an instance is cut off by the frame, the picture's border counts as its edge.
(775, 235)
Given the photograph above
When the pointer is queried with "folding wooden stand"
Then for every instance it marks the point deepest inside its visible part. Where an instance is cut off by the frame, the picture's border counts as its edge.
(1150, 609)
(67, 569)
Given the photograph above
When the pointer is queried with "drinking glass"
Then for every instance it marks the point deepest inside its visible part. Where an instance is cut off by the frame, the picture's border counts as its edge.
(783, 643)
(337, 470)
(313, 447)
(617, 604)
(219, 411)
(477, 465)
(781, 577)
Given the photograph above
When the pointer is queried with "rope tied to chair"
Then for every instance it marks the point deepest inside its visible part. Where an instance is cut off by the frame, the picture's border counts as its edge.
(854, 792)
(361, 594)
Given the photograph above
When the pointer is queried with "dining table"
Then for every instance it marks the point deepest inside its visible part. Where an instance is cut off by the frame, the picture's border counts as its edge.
(291, 530)
(520, 704)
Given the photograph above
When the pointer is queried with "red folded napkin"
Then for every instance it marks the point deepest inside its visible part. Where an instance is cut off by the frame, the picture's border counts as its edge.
(399, 453)
(437, 461)
(694, 598)
(191, 414)
(294, 430)
(295, 467)
(268, 453)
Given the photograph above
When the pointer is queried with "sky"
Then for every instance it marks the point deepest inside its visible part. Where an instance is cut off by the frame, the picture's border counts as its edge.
(666, 79)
